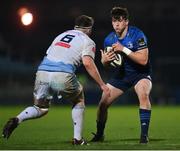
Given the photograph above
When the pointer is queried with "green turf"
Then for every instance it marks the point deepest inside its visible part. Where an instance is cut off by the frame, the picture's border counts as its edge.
(122, 132)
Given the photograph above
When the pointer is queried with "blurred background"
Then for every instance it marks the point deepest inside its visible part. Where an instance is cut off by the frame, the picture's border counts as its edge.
(25, 39)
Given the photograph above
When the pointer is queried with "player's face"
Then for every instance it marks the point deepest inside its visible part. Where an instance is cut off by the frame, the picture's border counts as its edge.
(119, 24)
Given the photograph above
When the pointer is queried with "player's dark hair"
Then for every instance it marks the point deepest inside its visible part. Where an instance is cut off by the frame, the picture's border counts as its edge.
(118, 12)
(84, 21)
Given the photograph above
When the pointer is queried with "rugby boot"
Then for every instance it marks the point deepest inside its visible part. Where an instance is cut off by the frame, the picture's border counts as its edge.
(9, 127)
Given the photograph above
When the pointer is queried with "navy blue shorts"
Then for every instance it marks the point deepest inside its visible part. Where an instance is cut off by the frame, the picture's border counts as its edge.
(127, 82)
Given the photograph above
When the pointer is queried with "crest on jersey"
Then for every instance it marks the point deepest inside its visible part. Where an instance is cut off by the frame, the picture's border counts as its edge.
(130, 45)
(141, 42)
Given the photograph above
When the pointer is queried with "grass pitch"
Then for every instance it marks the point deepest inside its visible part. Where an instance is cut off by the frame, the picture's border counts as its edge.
(55, 130)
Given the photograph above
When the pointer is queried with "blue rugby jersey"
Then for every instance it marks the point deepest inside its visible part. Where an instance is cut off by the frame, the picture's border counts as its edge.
(134, 40)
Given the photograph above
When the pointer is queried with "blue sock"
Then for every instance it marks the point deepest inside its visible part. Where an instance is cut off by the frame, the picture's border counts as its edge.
(145, 116)
(100, 128)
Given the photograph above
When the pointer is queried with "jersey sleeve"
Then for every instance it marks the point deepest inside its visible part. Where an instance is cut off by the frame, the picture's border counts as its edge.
(89, 49)
(140, 41)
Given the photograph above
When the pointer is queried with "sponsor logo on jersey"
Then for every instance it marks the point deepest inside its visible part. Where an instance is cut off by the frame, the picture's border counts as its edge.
(62, 44)
(129, 45)
(141, 42)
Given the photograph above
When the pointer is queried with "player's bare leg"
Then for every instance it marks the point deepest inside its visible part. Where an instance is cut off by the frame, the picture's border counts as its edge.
(143, 88)
(102, 112)
(38, 110)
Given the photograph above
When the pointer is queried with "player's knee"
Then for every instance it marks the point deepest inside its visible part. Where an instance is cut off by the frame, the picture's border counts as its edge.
(78, 97)
(42, 103)
(42, 106)
(79, 105)
(41, 111)
(79, 102)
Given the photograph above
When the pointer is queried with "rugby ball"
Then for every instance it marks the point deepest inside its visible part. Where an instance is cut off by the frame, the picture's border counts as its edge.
(116, 62)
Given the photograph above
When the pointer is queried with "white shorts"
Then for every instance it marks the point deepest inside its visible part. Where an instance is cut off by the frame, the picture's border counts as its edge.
(63, 84)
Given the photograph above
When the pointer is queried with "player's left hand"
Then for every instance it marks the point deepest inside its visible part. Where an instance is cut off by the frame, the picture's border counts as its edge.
(117, 47)
(107, 57)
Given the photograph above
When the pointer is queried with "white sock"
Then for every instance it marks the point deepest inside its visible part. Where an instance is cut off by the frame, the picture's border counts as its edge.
(29, 113)
(77, 117)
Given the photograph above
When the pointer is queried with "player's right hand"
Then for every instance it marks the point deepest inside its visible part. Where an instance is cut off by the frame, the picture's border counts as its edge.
(106, 90)
(107, 57)
(117, 47)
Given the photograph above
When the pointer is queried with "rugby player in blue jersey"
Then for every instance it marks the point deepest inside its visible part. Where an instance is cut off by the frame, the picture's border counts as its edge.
(135, 72)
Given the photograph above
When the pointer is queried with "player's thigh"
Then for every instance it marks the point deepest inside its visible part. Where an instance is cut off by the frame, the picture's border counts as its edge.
(41, 89)
(114, 94)
(77, 96)
(73, 90)
(143, 87)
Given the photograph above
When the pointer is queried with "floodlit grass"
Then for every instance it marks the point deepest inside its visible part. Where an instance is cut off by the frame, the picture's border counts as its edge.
(55, 130)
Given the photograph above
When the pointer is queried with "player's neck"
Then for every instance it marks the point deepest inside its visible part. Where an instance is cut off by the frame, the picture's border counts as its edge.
(85, 31)
(123, 33)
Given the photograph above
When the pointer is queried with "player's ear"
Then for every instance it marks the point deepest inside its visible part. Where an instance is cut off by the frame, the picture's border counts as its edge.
(89, 32)
(127, 21)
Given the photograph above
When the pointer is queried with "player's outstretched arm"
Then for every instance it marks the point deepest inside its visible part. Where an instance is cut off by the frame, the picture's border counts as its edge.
(91, 68)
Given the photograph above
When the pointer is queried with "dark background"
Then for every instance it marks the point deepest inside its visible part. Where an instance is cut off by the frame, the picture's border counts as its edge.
(22, 48)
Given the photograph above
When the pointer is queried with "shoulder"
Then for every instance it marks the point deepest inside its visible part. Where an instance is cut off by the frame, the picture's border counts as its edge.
(83, 37)
(87, 41)
(138, 37)
(135, 31)
(136, 34)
